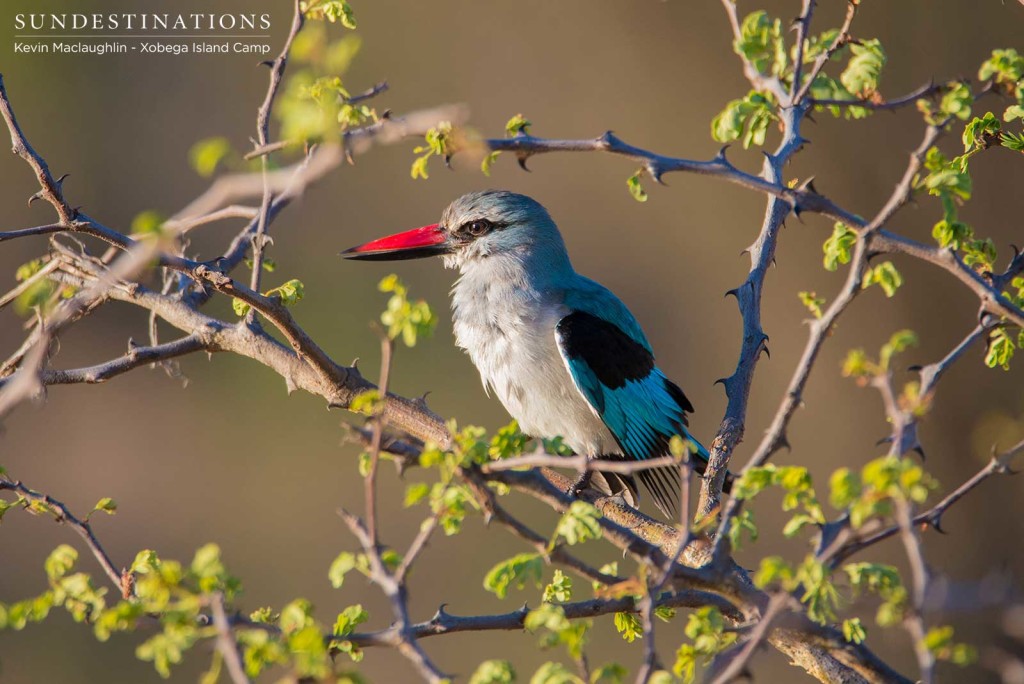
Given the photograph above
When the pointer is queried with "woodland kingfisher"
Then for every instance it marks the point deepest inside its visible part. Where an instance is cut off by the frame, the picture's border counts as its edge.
(564, 355)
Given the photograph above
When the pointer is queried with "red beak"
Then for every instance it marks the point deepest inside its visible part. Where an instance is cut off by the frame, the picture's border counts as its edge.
(412, 244)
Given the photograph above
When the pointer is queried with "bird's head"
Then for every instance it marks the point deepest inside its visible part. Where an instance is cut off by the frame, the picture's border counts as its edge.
(473, 228)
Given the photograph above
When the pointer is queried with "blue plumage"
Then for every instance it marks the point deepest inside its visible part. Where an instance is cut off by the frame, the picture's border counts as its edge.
(560, 351)
(612, 365)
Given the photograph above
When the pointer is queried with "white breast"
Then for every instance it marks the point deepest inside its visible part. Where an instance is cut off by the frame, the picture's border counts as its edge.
(509, 332)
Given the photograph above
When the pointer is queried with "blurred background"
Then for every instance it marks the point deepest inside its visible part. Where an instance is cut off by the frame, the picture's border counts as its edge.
(230, 457)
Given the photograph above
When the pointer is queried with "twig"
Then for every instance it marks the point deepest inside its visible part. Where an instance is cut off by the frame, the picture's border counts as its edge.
(803, 28)
(370, 482)
(65, 516)
(226, 643)
(136, 356)
(443, 622)
(842, 38)
(277, 68)
(927, 90)
(37, 230)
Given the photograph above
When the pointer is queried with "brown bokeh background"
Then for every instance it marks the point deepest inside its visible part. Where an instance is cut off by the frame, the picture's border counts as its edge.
(232, 458)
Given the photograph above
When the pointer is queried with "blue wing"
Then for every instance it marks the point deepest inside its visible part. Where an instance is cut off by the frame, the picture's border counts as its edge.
(612, 366)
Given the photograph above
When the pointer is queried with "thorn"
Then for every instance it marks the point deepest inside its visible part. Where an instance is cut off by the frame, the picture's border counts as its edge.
(720, 157)
(916, 368)
(33, 198)
(608, 139)
(735, 292)
(355, 364)
(919, 450)
(808, 185)
(936, 524)
(448, 161)
(884, 440)
(783, 443)
(60, 181)
(132, 345)
(767, 352)
(655, 172)
(522, 162)
(721, 381)
(267, 63)
(387, 114)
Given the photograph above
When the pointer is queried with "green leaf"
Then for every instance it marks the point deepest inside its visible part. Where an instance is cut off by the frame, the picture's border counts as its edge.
(288, 293)
(507, 442)
(885, 276)
(560, 588)
(554, 673)
(330, 10)
(580, 523)
(629, 626)
(518, 571)
(956, 101)
(844, 488)
(774, 570)
(207, 154)
(743, 522)
(939, 640)
(838, 246)
(1001, 348)
(349, 619)
(635, 189)
(148, 222)
(981, 132)
(746, 119)
(340, 567)
(813, 302)
(611, 673)
(516, 125)
(864, 69)
(27, 270)
(239, 307)
(415, 492)
(485, 165)
(853, 631)
(107, 505)
(60, 561)
(819, 593)
(493, 672)
(1004, 67)
(899, 342)
(403, 318)
(762, 43)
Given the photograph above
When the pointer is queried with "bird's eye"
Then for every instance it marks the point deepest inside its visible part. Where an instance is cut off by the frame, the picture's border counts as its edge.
(478, 227)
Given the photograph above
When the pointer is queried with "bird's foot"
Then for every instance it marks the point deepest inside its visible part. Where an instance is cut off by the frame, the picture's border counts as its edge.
(581, 483)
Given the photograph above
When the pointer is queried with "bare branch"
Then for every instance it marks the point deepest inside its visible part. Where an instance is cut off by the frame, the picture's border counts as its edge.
(927, 90)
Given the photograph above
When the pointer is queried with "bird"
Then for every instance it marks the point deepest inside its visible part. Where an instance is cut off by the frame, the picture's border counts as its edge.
(562, 353)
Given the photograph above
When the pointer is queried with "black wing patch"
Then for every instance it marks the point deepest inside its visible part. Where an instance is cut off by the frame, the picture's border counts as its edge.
(613, 356)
